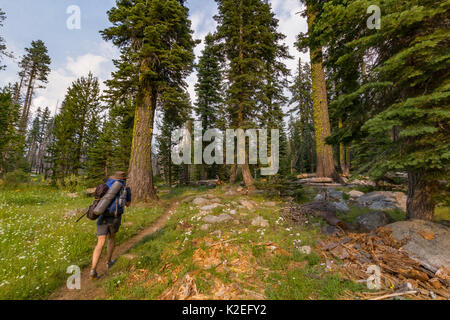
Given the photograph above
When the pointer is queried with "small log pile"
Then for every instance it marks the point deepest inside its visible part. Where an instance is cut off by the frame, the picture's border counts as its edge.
(400, 274)
(322, 209)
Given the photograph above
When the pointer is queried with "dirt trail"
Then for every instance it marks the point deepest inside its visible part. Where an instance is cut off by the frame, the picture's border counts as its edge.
(91, 290)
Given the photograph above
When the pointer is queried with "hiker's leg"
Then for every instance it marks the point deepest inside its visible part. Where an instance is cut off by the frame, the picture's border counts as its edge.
(111, 246)
(98, 251)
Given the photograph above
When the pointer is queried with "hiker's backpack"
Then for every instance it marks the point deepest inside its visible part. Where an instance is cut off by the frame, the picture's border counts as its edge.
(109, 198)
(99, 193)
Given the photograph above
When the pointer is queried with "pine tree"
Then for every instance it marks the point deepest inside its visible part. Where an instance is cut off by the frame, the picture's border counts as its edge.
(76, 126)
(303, 151)
(251, 46)
(35, 70)
(111, 151)
(403, 92)
(3, 52)
(176, 113)
(10, 138)
(209, 89)
(325, 161)
(155, 37)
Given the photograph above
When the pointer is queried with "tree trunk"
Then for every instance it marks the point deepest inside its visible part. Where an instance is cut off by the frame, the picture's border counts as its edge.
(347, 161)
(233, 176)
(420, 204)
(140, 173)
(24, 119)
(325, 162)
(246, 174)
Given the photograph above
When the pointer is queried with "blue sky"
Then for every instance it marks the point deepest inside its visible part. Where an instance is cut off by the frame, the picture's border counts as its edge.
(76, 52)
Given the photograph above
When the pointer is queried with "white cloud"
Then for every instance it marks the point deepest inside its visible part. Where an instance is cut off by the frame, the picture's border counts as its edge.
(61, 78)
(82, 65)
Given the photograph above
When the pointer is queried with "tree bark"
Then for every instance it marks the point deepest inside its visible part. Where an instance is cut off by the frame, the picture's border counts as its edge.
(325, 161)
(233, 176)
(140, 173)
(246, 174)
(24, 119)
(420, 204)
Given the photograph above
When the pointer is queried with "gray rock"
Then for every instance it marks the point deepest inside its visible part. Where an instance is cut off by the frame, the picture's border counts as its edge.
(354, 194)
(382, 205)
(260, 222)
(334, 194)
(230, 193)
(205, 227)
(383, 200)
(330, 230)
(217, 219)
(200, 201)
(433, 253)
(319, 197)
(211, 207)
(371, 221)
(248, 204)
(341, 205)
(270, 204)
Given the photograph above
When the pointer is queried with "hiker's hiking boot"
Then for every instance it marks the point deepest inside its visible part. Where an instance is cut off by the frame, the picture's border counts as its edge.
(93, 275)
(110, 264)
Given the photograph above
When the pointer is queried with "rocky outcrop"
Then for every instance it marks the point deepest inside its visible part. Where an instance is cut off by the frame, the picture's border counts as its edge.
(425, 241)
(371, 221)
(383, 200)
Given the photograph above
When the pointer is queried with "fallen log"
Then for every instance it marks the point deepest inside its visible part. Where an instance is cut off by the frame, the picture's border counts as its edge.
(398, 294)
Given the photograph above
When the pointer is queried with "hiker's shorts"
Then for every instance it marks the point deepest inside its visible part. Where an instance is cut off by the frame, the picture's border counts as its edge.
(108, 225)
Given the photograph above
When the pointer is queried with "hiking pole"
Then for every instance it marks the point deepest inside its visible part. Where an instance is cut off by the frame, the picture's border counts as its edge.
(81, 217)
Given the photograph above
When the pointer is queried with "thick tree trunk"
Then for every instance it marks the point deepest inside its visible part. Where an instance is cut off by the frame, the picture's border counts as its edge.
(325, 162)
(247, 175)
(420, 204)
(140, 173)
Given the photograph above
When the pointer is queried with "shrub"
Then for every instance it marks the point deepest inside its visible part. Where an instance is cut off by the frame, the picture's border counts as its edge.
(16, 177)
(71, 183)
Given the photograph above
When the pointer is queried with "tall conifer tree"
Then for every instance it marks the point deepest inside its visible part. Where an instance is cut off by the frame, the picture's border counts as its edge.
(155, 37)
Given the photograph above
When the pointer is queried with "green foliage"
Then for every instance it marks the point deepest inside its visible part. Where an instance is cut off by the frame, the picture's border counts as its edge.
(16, 177)
(302, 154)
(157, 47)
(111, 151)
(38, 240)
(3, 48)
(77, 127)
(11, 141)
(402, 97)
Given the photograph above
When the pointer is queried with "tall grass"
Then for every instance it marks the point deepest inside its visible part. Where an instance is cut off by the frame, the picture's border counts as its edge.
(39, 239)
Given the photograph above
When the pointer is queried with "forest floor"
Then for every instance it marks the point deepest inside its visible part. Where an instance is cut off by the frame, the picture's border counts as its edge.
(246, 251)
(195, 243)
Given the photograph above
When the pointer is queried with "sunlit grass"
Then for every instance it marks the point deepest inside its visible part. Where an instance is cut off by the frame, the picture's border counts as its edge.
(39, 240)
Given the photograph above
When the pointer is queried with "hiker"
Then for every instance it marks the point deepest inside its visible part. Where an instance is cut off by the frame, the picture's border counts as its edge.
(108, 226)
